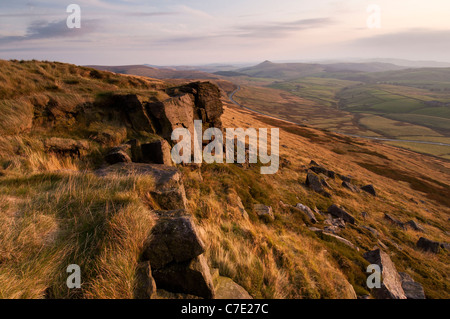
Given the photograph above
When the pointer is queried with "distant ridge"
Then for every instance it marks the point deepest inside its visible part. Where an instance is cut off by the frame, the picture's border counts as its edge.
(156, 73)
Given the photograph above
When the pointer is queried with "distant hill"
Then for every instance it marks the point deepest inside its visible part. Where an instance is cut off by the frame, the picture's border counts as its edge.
(156, 73)
(285, 71)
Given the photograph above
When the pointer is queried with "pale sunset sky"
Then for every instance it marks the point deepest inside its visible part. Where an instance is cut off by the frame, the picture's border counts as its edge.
(171, 32)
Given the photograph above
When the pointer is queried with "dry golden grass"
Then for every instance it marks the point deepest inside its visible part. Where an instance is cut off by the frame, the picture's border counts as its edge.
(49, 221)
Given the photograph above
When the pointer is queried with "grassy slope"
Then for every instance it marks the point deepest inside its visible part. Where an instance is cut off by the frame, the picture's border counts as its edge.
(52, 212)
(403, 180)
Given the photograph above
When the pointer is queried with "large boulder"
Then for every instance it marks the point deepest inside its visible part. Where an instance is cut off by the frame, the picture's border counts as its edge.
(145, 286)
(429, 245)
(173, 239)
(175, 112)
(412, 289)
(157, 152)
(208, 104)
(341, 213)
(190, 277)
(391, 286)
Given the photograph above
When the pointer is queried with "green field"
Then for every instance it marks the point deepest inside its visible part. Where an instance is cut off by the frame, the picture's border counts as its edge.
(412, 104)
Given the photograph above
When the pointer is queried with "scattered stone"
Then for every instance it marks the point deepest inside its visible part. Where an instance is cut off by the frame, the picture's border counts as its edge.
(235, 201)
(342, 240)
(364, 215)
(157, 152)
(394, 221)
(173, 239)
(372, 230)
(315, 183)
(313, 163)
(264, 212)
(429, 245)
(369, 189)
(414, 226)
(391, 287)
(190, 277)
(412, 289)
(340, 213)
(315, 229)
(331, 229)
(323, 170)
(145, 286)
(308, 212)
(350, 186)
(344, 178)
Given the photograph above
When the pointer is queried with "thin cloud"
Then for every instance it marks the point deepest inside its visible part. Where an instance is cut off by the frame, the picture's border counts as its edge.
(48, 30)
(281, 29)
(272, 30)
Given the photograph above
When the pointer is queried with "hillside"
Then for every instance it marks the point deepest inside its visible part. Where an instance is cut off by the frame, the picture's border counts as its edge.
(85, 179)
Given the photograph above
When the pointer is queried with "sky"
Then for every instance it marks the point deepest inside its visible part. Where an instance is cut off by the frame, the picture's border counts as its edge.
(194, 32)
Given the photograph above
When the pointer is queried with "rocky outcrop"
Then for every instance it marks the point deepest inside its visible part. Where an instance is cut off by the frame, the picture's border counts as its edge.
(391, 286)
(264, 212)
(341, 213)
(429, 245)
(190, 277)
(157, 152)
(369, 189)
(173, 239)
(412, 289)
(194, 101)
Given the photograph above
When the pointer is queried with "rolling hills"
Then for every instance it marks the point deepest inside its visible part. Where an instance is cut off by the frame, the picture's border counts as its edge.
(62, 202)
